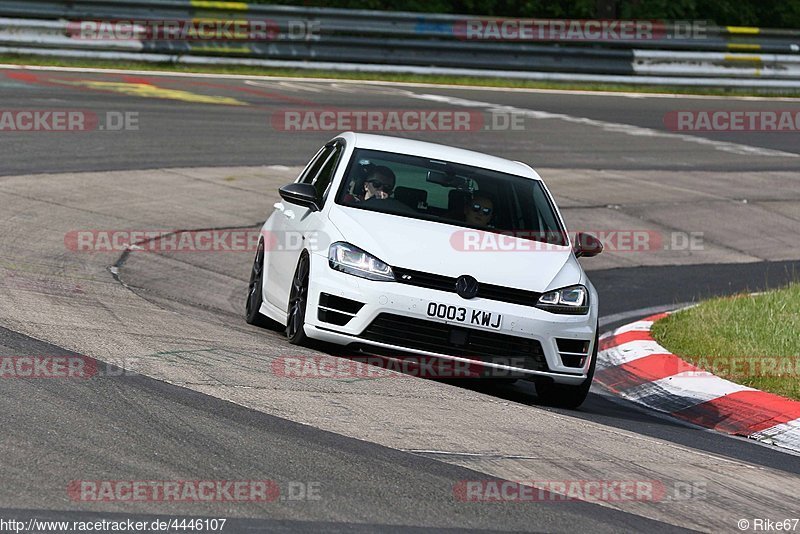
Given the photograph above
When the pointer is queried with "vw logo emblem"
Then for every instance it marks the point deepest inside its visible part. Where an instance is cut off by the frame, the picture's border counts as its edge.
(466, 287)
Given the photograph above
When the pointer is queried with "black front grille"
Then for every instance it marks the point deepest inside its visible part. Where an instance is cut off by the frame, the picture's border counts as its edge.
(448, 284)
(452, 340)
(427, 280)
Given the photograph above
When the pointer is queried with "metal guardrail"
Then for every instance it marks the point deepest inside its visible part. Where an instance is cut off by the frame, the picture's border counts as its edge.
(405, 42)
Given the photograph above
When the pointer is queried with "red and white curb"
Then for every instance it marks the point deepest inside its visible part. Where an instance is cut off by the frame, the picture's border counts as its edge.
(631, 364)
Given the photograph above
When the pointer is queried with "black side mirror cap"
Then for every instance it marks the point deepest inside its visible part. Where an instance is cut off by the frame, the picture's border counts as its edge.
(586, 245)
(301, 194)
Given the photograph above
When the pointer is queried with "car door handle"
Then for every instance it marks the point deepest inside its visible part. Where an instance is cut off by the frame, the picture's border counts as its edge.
(289, 214)
(279, 206)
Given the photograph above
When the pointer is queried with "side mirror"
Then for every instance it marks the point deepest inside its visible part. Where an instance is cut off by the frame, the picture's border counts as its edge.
(587, 245)
(301, 194)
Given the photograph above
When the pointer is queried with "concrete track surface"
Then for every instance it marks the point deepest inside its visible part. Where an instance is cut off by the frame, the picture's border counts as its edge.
(191, 394)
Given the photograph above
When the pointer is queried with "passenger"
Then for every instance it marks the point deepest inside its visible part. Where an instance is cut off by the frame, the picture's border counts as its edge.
(479, 211)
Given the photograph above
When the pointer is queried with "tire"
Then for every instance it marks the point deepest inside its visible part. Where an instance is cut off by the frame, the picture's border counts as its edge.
(254, 294)
(298, 301)
(566, 396)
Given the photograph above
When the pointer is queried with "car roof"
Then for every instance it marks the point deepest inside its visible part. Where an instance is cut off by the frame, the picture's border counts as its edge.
(436, 151)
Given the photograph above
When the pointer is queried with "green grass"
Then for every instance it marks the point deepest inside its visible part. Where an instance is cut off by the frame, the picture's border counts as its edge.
(403, 78)
(751, 340)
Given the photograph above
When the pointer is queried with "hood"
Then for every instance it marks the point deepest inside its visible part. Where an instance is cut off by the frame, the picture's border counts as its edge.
(447, 250)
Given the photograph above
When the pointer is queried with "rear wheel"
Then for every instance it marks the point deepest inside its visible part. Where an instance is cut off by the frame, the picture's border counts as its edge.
(298, 300)
(564, 395)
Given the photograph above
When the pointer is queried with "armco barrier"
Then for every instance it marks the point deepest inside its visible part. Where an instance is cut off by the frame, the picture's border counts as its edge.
(408, 42)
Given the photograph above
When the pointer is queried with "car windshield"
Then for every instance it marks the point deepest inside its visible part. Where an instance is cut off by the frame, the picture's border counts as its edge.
(450, 193)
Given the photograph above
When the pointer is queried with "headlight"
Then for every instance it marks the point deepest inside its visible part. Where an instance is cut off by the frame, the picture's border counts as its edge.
(352, 260)
(573, 300)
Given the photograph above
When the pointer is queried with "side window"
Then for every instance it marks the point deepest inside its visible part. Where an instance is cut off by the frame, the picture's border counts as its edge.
(314, 165)
(548, 222)
(323, 178)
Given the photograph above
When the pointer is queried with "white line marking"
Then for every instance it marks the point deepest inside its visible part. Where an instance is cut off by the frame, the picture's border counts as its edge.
(611, 127)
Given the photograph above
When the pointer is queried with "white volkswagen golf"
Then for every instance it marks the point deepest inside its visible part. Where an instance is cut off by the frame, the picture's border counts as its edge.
(408, 249)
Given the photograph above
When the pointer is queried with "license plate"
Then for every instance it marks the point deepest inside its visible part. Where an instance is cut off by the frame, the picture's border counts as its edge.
(466, 316)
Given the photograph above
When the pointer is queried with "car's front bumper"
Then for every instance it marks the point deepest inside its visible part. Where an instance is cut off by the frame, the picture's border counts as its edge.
(412, 302)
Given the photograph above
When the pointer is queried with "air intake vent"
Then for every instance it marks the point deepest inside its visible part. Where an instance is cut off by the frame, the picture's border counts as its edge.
(337, 310)
(575, 346)
(573, 351)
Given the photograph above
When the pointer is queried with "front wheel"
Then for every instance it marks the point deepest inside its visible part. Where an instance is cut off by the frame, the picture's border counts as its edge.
(298, 300)
(254, 295)
(564, 395)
